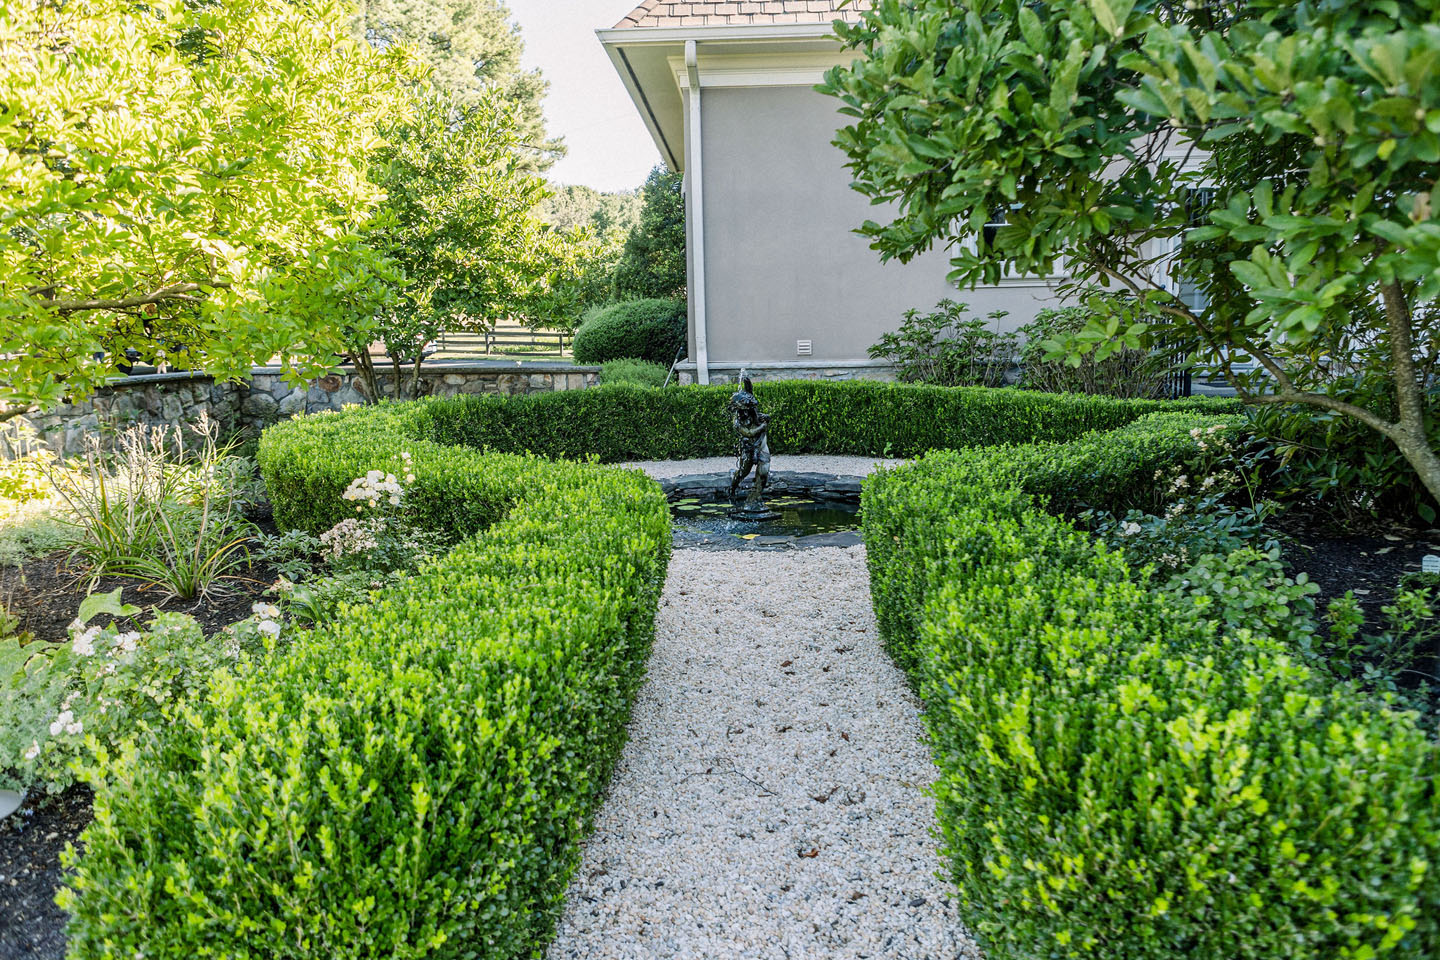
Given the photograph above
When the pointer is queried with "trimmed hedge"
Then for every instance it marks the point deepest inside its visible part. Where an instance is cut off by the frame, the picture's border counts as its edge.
(651, 330)
(862, 417)
(1120, 776)
(413, 780)
(637, 373)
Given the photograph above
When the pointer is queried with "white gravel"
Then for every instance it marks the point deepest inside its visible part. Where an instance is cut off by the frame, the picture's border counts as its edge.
(770, 801)
(799, 463)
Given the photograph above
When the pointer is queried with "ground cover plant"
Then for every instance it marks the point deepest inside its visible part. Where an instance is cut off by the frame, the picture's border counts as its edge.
(1134, 766)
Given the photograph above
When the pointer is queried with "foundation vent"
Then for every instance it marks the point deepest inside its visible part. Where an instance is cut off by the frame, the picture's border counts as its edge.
(802, 348)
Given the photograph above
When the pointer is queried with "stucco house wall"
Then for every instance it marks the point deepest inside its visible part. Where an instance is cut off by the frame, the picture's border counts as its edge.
(770, 215)
(783, 262)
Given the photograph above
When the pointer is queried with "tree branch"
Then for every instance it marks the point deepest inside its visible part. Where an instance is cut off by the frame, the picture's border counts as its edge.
(1408, 392)
(178, 291)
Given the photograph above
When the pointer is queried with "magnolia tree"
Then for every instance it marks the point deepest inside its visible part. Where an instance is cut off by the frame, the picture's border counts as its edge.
(460, 221)
(1280, 158)
(183, 180)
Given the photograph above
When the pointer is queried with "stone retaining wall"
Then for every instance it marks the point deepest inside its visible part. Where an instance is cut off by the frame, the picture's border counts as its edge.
(162, 399)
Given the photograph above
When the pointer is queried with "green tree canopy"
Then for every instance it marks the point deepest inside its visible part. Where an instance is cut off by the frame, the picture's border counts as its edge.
(176, 177)
(652, 265)
(1290, 149)
(460, 220)
(610, 216)
(473, 49)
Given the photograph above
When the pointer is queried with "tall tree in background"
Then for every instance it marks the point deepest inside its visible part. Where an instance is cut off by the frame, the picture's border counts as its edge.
(610, 216)
(653, 261)
(460, 219)
(471, 47)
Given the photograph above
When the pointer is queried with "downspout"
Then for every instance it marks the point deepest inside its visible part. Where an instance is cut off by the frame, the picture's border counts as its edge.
(696, 208)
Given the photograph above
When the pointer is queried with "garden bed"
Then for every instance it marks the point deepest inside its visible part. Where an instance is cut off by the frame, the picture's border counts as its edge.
(45, 592)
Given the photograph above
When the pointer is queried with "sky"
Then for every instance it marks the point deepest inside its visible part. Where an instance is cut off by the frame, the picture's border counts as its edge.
(587, 104)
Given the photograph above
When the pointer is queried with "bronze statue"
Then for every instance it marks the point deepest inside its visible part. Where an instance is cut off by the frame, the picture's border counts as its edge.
(752, 430)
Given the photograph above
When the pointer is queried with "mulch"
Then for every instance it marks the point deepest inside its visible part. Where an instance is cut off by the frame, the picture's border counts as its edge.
(45, 594)
(32, 927)
(1369, 563)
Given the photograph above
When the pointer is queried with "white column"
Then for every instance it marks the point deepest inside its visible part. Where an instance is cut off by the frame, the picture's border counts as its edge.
(695, 210)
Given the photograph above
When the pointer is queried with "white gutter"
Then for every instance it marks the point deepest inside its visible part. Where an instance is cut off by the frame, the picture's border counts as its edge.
(696, 210)
(743, 32)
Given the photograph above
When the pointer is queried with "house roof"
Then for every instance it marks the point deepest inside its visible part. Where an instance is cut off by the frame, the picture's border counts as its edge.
(704, 13)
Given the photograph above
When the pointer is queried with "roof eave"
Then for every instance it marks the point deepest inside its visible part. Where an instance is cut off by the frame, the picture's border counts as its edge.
(650, 43)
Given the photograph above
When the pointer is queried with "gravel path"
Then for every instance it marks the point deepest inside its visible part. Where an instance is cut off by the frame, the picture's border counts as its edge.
(799, 463)
(769, 803)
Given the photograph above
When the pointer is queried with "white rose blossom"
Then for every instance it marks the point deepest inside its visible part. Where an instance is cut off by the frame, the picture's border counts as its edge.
(34, 750)
(1129, 528)
(61, 722)
(269, 627)
(84, 644)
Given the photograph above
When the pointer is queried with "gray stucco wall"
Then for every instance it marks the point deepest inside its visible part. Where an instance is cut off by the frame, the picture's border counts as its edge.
(782, 260)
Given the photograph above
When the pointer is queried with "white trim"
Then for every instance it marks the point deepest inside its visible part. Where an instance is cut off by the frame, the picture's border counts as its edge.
(736, 32)
(642, 107)
(810, 364)
(762, 69)
(695, 207)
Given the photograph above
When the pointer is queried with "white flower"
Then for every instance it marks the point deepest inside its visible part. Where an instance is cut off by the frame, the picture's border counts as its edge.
(409, 478)
(267, 611)
(84, 644)
(1129, 528)
(394, 500)
(62, 722)
(33, 752)
(76, 625)
(127, 642)
(404, 454)
(269, 627)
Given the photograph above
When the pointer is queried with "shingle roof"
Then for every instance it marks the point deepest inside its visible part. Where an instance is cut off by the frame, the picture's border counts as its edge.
(703, 13)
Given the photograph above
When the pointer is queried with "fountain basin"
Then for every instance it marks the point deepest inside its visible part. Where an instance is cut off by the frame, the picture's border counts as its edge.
(802, 510)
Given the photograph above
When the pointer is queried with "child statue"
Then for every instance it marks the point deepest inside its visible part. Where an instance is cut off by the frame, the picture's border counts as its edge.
(752, 430)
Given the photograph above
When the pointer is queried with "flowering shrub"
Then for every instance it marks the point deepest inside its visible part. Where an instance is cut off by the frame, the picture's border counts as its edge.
(63, 705)
(1200, 514)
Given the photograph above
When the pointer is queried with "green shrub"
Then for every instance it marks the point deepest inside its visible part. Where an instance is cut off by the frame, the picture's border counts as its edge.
(637, 373)
(1124, 771)
(1125, 373)
(861, 417)
(412, 778)
(651, 330)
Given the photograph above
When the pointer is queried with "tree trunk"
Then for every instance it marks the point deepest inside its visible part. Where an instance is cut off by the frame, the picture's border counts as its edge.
(365, 367)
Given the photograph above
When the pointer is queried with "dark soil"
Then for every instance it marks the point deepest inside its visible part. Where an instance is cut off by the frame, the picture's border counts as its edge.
(1369, 564)
(32, 927)
(45, 594)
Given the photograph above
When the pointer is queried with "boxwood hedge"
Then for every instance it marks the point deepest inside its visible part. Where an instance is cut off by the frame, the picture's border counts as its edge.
(1120, 775)
(861, 417)
(414, 779)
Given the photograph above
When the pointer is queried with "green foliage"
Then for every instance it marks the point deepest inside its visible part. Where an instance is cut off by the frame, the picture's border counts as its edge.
(64, 706)
(637, 373)
(1131, 771)
(1308, 217)
(412, 778)
(459, 220)
(1400, 658)
(473, 50)
(1124, 373)
(862, 417)
(158, 512)
(1211, 503)
(652, 330)
(652, 265)
(947, 348)
(609, 216)
(203, 218)
(1347, 469)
